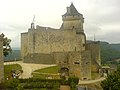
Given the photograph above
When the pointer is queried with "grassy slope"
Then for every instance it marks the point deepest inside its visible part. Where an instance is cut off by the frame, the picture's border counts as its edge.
(52, 70)
(109, 52)
(8, 68)
(49, 70)
(95, 76)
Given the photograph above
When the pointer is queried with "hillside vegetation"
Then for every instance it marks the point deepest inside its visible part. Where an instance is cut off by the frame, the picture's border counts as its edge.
(109, 52)
(15, 55)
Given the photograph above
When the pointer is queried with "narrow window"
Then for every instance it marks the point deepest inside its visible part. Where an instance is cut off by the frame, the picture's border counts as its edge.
(76, 62)
(75, 48)
(72, 27)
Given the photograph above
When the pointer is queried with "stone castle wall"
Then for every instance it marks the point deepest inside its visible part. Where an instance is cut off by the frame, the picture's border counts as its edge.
(44, 40)
(48, 41)
(76, 63)
(80, 64)
(73, 22)
(24, 45)
(39, 58)
(94, 48)
(62, 59)
(86, 65)
(1, 60)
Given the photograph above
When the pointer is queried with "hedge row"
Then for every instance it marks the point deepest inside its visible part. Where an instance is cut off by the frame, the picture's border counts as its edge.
(32, 83)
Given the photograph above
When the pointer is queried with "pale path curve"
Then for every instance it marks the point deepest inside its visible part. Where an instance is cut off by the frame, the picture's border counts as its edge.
(91, 81)
(28, 68)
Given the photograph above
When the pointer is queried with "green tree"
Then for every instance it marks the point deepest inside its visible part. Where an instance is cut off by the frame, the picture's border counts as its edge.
(112, 82)
(6, 45)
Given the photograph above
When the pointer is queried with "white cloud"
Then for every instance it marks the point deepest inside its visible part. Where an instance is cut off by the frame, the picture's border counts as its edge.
(101, 17)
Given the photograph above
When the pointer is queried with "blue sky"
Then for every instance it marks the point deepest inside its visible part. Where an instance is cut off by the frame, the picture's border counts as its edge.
(102, 17)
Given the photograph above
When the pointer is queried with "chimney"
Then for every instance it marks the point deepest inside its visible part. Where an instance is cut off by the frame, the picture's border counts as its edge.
(68, 9)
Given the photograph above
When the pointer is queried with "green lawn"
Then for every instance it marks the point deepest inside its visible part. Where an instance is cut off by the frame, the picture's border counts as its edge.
(52, 70)
(95, 76)
(49, 70)
(9, 68)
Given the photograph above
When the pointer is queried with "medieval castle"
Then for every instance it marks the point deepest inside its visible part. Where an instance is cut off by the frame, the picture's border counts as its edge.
(66, 46)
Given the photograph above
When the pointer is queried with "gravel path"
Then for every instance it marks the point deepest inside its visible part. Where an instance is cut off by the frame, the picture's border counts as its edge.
(28, 68)
(91, 81)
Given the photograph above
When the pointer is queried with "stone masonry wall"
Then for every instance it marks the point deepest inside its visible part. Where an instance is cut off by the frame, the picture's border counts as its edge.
(94, 48)
(1, 60)
(75, 64)
(43, 40)
(61, 59)
(73, 22)
(80, 64)
(86, 65)
(39, 58)
(24, 44)
(50, 40)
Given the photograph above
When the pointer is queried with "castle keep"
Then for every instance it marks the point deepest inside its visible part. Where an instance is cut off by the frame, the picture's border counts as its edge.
(66, 46)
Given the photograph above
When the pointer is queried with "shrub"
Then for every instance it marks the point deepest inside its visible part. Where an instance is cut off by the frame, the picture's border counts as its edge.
(73, 79)
(112, 82)
(12, 84)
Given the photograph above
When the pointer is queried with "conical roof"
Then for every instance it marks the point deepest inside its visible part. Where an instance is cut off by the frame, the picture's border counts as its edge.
(71, 11)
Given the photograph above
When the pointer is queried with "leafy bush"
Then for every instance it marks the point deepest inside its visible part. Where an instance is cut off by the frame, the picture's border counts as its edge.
(73, 79)
(9, 68)
(36, 83)
(112, 82)
(12, 84)
(33, 83)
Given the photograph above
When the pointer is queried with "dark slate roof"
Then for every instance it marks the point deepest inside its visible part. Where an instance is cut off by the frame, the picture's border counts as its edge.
(73, 11)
